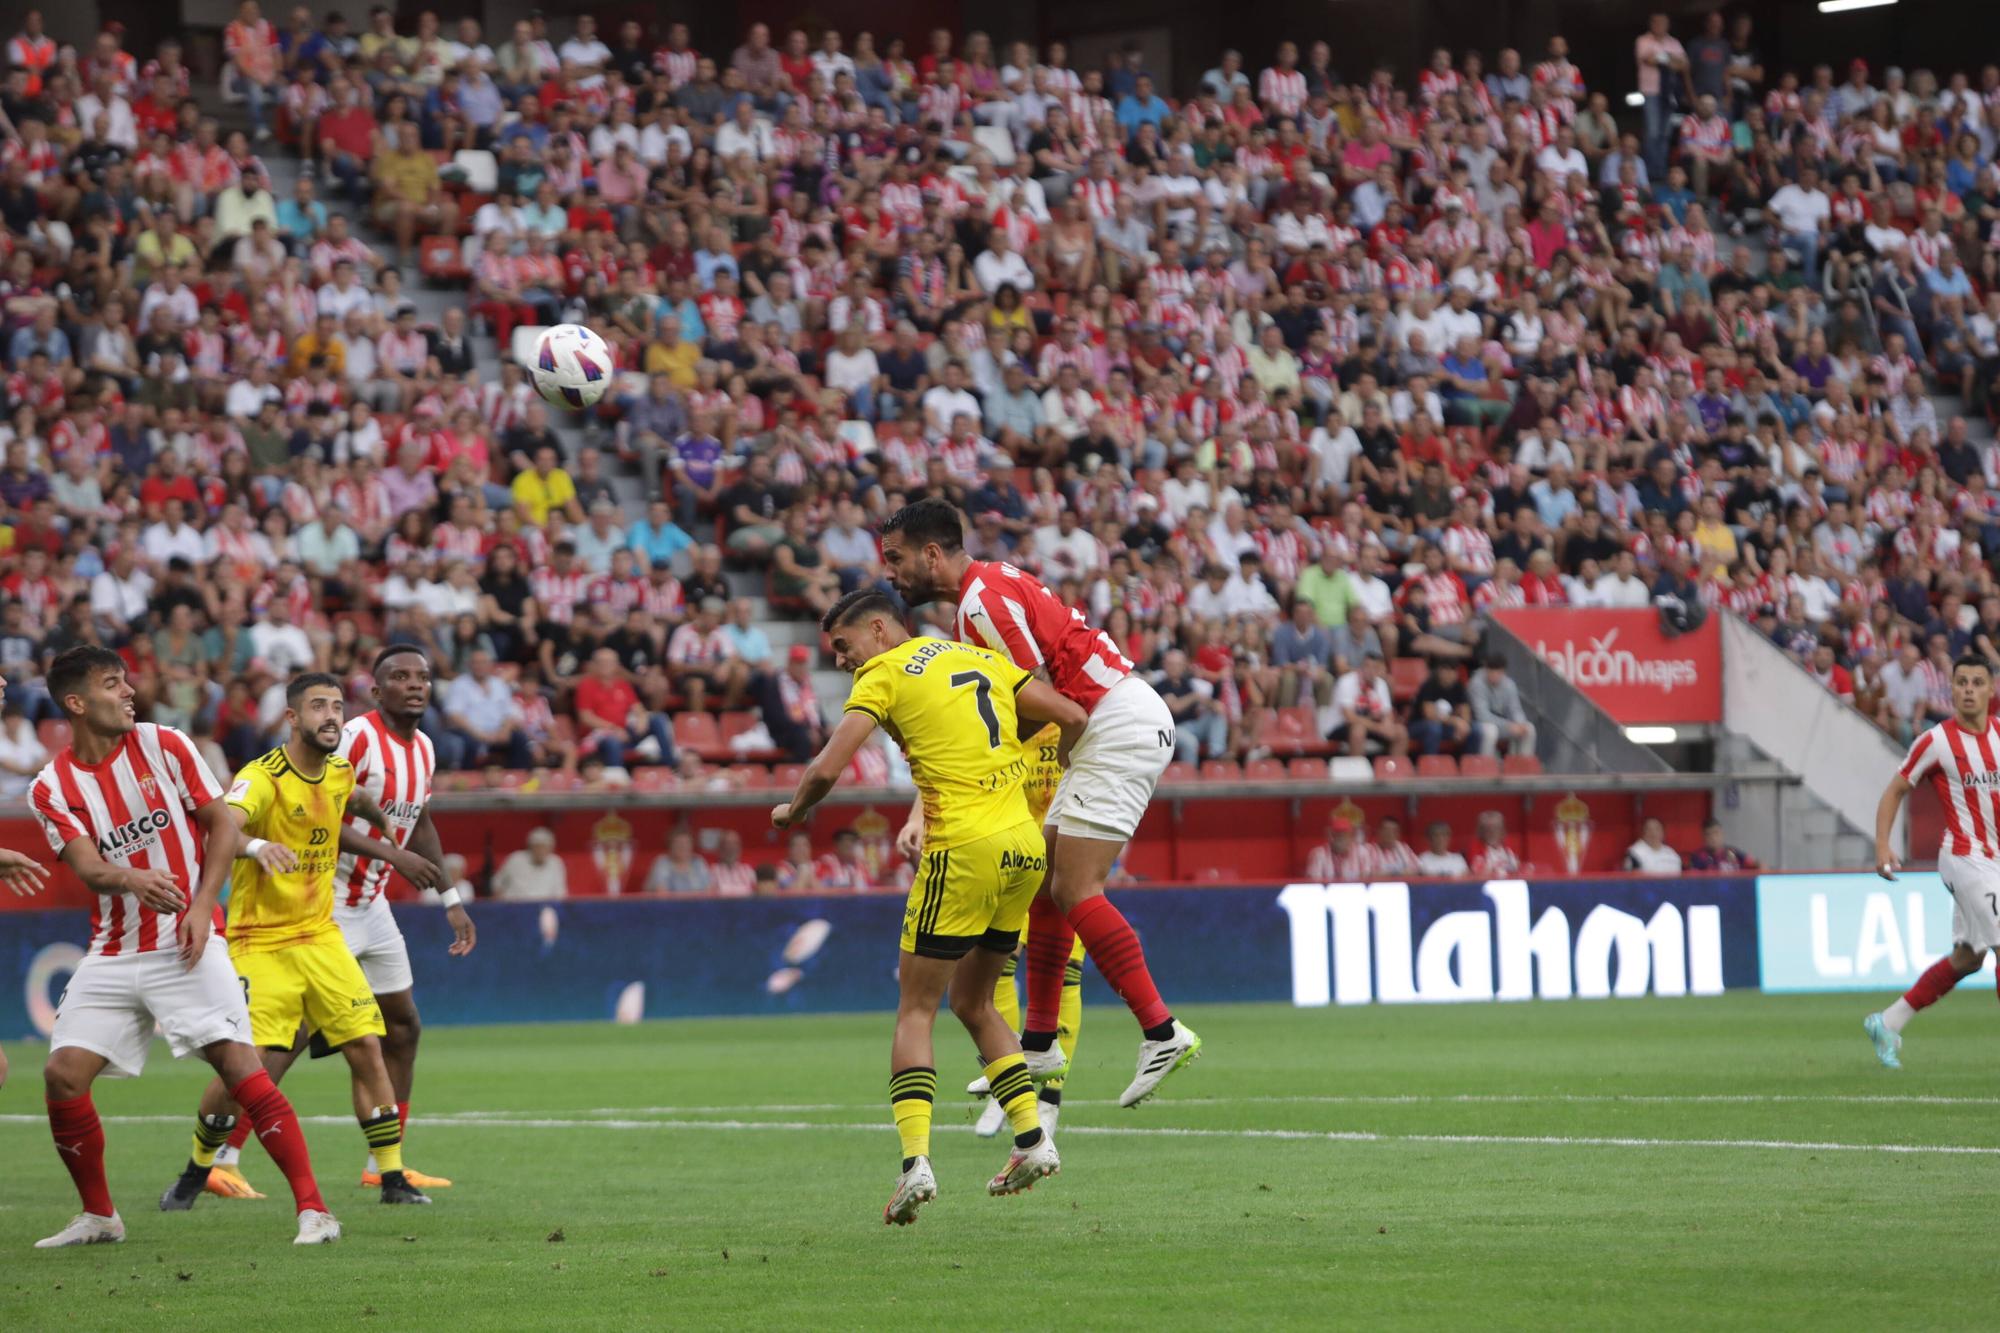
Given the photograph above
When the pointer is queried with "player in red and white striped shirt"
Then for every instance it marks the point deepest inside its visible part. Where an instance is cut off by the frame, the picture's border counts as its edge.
(131, 808)
(1109, 782)
(1960, 757)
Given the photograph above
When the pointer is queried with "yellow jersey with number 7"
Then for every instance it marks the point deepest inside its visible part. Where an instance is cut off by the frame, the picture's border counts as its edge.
(951, 707)
(280, 805)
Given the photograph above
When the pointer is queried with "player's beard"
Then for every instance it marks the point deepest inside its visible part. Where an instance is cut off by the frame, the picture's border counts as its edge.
(922, 589)
(318, 741)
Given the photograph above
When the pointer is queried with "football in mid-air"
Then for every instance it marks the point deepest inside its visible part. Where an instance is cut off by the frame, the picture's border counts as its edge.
(572, 366)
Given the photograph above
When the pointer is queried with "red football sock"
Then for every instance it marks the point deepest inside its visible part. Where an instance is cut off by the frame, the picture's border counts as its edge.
(1120, 960)
(241, 1134)
(79, 1140)
(279, 1131)
(1050, 940)
(1933, 985)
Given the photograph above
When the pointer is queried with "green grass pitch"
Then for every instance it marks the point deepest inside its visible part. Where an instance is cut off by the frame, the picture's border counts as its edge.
(1693, 1163)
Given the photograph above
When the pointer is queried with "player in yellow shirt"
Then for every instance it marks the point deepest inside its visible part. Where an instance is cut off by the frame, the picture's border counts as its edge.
(955, 709)
(291, 805)
(1044, 772)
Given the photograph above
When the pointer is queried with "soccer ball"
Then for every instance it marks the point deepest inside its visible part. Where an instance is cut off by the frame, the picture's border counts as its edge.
(571, 367)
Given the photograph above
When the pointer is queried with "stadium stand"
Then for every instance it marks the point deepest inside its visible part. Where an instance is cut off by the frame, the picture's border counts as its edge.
(1284, 381)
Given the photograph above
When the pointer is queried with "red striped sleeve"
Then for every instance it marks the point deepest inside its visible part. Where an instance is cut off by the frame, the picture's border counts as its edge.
(1919, 759)
(58, 824)
(1001, 623)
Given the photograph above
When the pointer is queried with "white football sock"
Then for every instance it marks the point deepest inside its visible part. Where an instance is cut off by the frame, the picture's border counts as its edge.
(1897, 1014)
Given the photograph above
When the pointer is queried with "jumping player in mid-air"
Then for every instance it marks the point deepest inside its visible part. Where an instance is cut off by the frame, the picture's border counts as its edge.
(1108, 783)
(1961, 758)
(954, 709)
(394, 764)
(1044, 775)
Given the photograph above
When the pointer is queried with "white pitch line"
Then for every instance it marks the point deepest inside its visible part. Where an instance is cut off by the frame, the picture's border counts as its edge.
(1385, 1099)
(1151, 1131)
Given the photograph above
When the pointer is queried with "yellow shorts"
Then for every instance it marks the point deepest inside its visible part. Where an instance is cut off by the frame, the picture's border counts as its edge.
(316, 983)
(976, 893)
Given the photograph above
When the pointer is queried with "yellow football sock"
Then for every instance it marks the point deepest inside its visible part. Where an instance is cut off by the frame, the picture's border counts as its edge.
(210, 1133)
(911, 1094)
(1015, 1091)
(1007, 994)
(384, 1132)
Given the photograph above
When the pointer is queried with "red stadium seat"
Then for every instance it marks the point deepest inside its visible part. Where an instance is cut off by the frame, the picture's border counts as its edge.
(1295, 731)
(1391, 769)
(1178, 771)
(53, 733)
(1478, 766)
(441, 260)
(1221, 770)
(1437, 766)
(1307, 770)
(1406, 677)
(506, 779)
(787, 776)
(734, 725)
(1521, 765)
(1264, 770)
(698, 734)
(654, 778)
(561, 782)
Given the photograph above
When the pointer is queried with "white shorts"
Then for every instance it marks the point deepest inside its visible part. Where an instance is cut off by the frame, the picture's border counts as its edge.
(112, 1004)
(1115, 766)
(1974, 882)
(377, 944)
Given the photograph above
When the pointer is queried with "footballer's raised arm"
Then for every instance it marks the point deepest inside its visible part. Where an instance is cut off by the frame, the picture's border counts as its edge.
(856, 726)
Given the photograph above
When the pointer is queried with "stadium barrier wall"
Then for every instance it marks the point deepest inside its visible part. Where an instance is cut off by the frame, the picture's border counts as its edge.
(1559, 826)
(1312, 944)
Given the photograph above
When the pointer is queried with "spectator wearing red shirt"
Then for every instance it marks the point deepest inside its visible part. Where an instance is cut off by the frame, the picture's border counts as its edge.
(1541, 585)
(614, 723)
(1828, 671)
(1491, 857)
(347, 139)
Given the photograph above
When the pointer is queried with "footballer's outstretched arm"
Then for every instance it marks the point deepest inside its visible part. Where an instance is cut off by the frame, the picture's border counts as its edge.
(425, 842)
(157, 889)
(1886, 861)
(22, 873)
(221, 835)
(420, 871)
(847, 739)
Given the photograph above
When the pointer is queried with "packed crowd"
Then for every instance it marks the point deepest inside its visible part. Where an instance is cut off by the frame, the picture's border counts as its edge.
(1279, 376)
